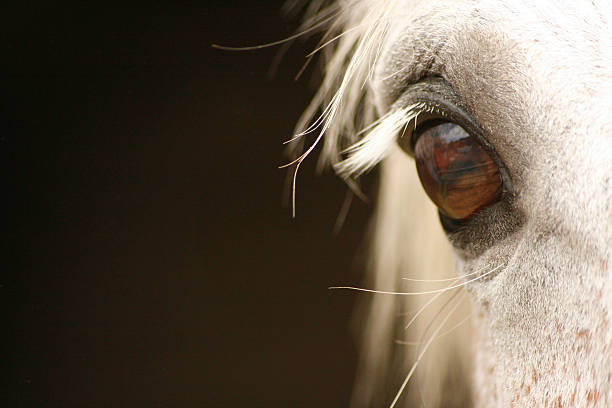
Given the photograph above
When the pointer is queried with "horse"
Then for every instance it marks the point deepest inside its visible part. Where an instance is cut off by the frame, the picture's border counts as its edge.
(490, 273)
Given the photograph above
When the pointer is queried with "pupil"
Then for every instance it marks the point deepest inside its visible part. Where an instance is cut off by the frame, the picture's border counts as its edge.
(456, 172)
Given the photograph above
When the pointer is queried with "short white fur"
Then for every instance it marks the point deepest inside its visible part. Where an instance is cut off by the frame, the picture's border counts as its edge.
(537, 77)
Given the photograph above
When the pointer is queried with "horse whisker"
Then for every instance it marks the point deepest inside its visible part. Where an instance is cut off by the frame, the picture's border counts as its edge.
(422, 353)
(445, 279)
(427, 292)
(445, 333)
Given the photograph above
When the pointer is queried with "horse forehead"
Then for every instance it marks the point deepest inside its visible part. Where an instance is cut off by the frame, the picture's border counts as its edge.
(567, 44)
(565, 16)
(521, 67)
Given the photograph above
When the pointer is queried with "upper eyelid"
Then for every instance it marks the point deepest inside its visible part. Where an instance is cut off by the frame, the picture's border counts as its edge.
(431, 93)
(438, 99)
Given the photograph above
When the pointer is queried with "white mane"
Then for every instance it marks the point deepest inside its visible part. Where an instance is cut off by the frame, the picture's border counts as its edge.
(355, 139)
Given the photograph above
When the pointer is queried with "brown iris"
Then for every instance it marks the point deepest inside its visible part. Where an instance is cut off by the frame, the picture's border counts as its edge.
(457, 173)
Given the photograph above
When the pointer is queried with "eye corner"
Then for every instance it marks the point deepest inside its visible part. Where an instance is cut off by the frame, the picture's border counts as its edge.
(428, 117)
(451, 225)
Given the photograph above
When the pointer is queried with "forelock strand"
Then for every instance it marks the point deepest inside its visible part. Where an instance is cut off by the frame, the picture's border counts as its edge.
(343, 104)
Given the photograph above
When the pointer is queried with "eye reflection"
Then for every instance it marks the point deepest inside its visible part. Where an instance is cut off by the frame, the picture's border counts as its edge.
(456, 172)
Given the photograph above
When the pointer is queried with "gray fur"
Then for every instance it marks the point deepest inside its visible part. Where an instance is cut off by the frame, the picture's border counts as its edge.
(537, 79)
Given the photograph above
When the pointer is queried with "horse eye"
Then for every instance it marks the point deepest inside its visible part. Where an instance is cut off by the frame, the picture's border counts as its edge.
(456, 172)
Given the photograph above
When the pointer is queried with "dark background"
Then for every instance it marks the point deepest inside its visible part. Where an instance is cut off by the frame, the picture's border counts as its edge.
(148, 259)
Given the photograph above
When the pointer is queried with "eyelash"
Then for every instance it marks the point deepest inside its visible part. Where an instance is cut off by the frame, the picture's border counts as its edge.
(462, 175)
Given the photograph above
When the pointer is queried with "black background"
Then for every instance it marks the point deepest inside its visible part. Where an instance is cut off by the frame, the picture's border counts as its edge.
(149, 261)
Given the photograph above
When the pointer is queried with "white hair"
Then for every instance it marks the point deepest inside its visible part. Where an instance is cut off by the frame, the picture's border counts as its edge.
(407, 247)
